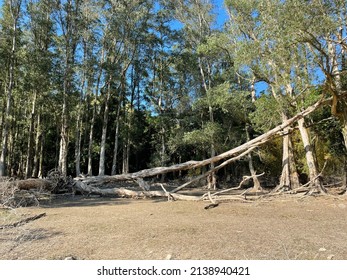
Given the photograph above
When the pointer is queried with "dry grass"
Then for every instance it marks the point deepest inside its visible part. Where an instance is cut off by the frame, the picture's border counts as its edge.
(94, 228)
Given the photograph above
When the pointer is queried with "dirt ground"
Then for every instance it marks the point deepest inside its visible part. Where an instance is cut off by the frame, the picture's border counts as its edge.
(95, 228)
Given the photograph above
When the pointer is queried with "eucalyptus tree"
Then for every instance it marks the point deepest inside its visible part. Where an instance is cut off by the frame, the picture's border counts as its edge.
(125, 23)
(10, 26)
(67, 20)
(321, 27)
(90, 28)
(38, 67)
(274, 57)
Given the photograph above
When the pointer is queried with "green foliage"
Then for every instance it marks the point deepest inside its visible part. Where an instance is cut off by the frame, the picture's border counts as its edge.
(203, 138)
(267, 114)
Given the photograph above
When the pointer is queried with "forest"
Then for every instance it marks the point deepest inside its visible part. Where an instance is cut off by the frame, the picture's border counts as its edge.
(176, 88)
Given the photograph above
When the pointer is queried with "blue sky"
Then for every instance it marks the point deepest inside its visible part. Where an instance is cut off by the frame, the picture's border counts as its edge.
(222, 15)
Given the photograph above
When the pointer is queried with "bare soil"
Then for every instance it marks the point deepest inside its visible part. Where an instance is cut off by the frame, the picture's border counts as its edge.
(99, 228)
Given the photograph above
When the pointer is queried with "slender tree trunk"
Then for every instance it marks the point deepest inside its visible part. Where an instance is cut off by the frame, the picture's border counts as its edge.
(2, 116)
(64, 139)
(91, 137)
(5, 134)
(38, 144)
(79, 130)
(256, 183)
(91, 132)
(116, 139)
(78, 145)
(41, 155)
(29, 161)
(64, 132)
(127, 115)
(104, 130)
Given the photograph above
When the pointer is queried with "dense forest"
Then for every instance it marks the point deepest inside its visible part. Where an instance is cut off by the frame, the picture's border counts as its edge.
(106, 87)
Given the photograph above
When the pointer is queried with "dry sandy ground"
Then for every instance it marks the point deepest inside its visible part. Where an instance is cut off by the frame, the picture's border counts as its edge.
(94, 228)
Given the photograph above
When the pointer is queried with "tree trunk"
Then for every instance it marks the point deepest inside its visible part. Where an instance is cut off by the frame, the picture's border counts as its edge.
(127, 114)
(289, 177)
(78, 145)
(38, 144)
(69, 27)
(256, 183)
(64, 140)
(91, 132)
(29, 161)
(42, 144)
(90, 144)
(79, 129)
(104, 130)
(116, 139)
(315, 180)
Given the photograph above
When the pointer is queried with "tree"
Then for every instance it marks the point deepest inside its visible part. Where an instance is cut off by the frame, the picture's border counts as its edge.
(12, 15)
(68, 21)
(279, 65)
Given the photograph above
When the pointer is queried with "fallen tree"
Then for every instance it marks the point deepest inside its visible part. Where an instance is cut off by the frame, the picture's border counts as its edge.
(229, 156)
(100, 185)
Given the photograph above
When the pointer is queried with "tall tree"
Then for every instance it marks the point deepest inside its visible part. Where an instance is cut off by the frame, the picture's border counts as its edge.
(38, 66)
(67, 18)
(11, 17)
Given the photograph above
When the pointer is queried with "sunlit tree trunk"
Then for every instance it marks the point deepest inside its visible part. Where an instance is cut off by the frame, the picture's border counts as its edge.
(38, 146)
(104, 128)
(116, 140)
(315, 180)
(79, 127)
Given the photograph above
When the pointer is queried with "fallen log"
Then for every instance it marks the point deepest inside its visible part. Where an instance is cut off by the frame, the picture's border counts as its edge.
(126, 193)
(235, 152)
(123, 192)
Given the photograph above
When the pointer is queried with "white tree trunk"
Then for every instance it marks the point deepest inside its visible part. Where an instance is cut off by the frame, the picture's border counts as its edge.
(29, 161)
(315, 180)
(104, 130)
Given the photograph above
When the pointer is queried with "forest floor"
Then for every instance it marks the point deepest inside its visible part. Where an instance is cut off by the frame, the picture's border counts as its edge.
(105, 228)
